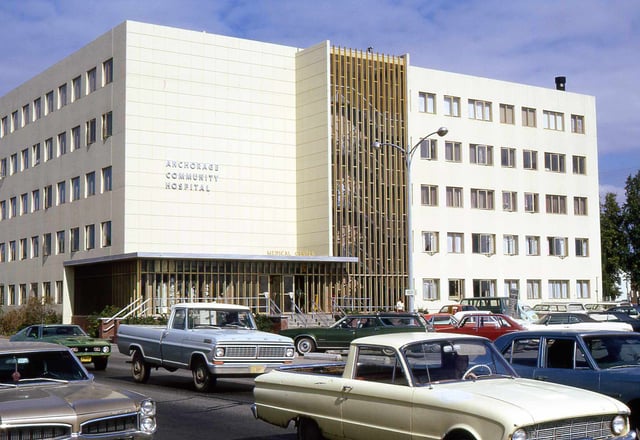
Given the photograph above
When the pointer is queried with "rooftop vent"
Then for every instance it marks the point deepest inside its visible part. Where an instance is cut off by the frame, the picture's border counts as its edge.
(561, 82)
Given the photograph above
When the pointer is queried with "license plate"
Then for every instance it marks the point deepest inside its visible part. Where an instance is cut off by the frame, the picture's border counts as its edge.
(85, 359)
(256, 369)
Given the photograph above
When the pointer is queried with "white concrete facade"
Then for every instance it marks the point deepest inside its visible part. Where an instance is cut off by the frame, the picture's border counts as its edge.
(211, 145)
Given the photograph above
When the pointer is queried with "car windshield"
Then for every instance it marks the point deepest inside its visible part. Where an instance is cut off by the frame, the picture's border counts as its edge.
(614, 351)
(63, 330)
(40, 366)
(203, 318)
(455, 360)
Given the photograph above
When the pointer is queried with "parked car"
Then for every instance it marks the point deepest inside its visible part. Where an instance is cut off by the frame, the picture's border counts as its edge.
(441, 320)
(88, 349)
(578, 320)
(455, 308)
(488, 325)
(602, 361)
(430, 386)
(46, 393)
(628, 309)
(544, 308)
(617, 317)
(601, 306)
(339, 335)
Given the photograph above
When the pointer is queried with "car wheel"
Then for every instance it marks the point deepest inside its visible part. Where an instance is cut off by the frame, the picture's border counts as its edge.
(140, 370)
(308, 430)
(203, 380)
(305, 345)
(100, 363)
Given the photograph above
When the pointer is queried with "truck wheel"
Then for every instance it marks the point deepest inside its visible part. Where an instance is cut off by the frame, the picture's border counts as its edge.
(305, 345)
(203, 380)
(308, 430)
(100, 363)
(140, 370)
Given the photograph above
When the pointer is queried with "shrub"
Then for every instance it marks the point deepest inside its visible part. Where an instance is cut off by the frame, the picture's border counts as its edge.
(33, 312)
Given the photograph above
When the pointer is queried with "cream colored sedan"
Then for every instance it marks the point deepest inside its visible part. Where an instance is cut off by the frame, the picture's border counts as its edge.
(431, 386)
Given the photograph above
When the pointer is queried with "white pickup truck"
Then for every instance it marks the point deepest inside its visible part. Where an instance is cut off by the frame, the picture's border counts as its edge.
(210, 339)
(431, 386)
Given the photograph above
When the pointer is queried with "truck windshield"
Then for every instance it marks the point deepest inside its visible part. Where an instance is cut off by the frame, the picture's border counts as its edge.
(207, 318)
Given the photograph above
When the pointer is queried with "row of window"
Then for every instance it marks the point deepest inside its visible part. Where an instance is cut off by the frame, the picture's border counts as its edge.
(485, 244)
(66, 93)
(13, 295)
(480, 154)
(55, 147)
(58, 195)
(485, 199)
(556, 289)
(483, 111)
(25, 248)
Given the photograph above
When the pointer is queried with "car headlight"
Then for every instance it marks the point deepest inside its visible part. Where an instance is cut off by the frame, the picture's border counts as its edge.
(106, 349)
(74, 349)
(148, 407)
(290, 352)
(219, 352)
(520, 434)
(148, 424)
(619, 425)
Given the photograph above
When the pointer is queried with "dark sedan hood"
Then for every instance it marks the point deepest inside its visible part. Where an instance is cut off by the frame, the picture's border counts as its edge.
(60, 401)
(75, 340)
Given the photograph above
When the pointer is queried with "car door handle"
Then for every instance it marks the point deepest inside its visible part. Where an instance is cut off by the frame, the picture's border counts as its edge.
(346, 388)
(541, 377)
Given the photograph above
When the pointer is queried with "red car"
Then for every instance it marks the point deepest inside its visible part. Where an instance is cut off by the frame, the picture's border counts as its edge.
(489, 325)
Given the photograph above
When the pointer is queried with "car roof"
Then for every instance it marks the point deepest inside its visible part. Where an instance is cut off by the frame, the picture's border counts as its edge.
(28, 347)
(210, 305)
(399, 340)
(565, 332)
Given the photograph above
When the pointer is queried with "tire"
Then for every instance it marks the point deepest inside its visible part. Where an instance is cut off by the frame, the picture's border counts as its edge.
(100, 363)
(140, 370)
(305, 345)
(308, 430)
(203, 380)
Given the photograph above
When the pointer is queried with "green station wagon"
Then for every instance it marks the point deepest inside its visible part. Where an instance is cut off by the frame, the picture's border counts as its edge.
(86, 348)
(339, 335)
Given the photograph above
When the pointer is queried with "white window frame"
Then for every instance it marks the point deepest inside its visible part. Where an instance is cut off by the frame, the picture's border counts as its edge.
(509, 201)
(582, 247)
(429, 149)
(532, 243)
(430, 289)
(552, 120)
(481, 154)
(558, 289)
(484, 244)
(455, 242)
(482, 198)
(452, 106)
(479, 110)
(429, 195)
(430, 242)
(555, 162)
(510, 244)
(454, 196)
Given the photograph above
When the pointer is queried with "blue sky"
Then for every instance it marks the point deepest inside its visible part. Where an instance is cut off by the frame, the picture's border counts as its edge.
(594, 43)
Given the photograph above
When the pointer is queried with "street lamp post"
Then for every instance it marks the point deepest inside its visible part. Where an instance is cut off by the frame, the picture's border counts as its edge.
(408, 156)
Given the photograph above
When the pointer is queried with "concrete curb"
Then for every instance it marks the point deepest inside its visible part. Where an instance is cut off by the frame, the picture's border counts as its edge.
(323, 356)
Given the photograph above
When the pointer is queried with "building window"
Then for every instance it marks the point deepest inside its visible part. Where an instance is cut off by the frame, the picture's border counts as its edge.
(533, 245)
(3, 210)
(62, 95)
(429, 149)
(528, 117)
(36, 154)
(553, 120)
(508, 157)
(59, 291)
(530, 160)
(26, 114)
(556, 204)
(3, 256)
(4, 127)
(107, 72)
(75, 239)
(24, 249)
(510, 244)
(579, 165)
(13, 207)
(90, 184)
(37, 109)
(511, 286)
(533, 289)
(454, 197)
(481, 154)
(456, 289)
(452, 151)
(429, 195)
(15, 121)
(62, 144)
(506, 114)
(62, 193)
(582, 247)
(480, 110)
(107, 125)
(452, 106)
(582, 289)
(75, 138)
(48, 196)
(554, 162)
(455, 242)
(76, 88)
(482, 198)
(484, 288)
(48, 149)
(106, 233)
(46, 291)
(106, 180)
(580, 206)
(49, 103)
(35, 247)
(426, 102)
(509, 201)
(24, 204)
(3, 167)
(577, 124)
(91, 131)
(430, 289)
(25, 159)
(89, 237)
(91, 80)
(12, 250)
(35, 200)
(483, 244)
(430, 242)
(75, 189)
(60, 241)
(14, 164)
(558, 289)
(557, 246)
(46, 244)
